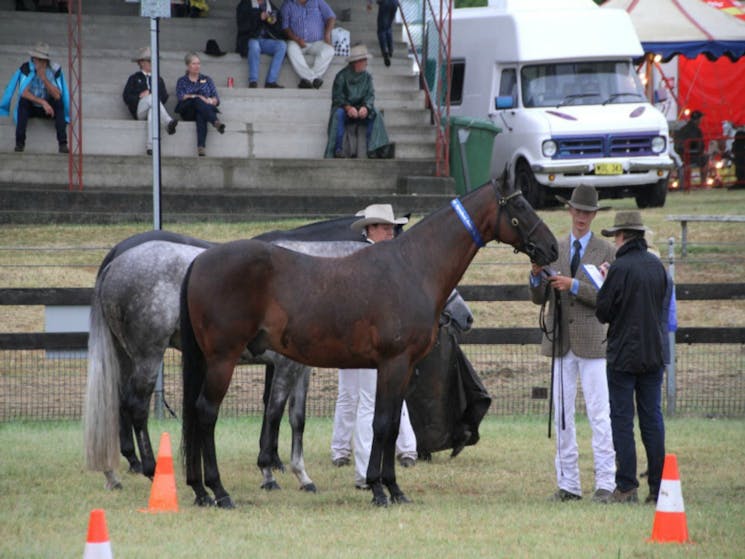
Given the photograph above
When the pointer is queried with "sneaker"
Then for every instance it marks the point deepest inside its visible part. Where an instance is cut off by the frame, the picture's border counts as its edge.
(562, 496)
(252, 85)
(629, 496)
(201, 152)
(63, 148)
(305, 84)
(171, 128)
(20, 147)
(340, 462)
(220, 126)
(406, 462)
(602, 496)
(273, 85)
(317, 83)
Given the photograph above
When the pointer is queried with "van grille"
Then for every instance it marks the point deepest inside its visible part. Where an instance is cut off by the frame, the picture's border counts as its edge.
(573, 147)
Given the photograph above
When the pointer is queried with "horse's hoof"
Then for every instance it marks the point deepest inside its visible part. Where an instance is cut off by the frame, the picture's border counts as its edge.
(401, 499)
(379, 501)
(225, 502)
(112, 485)
(270, 486)
(204, 501)
(308, 488)
(135, 468)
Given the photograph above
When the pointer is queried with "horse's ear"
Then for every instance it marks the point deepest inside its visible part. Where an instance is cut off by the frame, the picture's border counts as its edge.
(504, 181)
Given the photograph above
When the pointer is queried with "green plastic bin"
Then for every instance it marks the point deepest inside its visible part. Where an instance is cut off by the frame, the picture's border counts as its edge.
(471, 143)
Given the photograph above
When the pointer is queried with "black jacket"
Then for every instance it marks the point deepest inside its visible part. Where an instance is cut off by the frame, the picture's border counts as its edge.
(136, 84)
(631, 302)
(249, 24)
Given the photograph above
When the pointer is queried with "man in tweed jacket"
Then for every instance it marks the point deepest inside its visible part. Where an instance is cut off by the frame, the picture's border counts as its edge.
(579, 349)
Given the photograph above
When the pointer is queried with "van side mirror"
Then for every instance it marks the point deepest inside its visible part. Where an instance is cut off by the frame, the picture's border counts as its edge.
(502, 102)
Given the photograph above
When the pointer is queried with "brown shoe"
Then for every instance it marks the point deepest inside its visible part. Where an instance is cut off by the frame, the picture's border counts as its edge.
(201, 152)
(63, 148)
(602, 496)
(629, 496)
(220, 126)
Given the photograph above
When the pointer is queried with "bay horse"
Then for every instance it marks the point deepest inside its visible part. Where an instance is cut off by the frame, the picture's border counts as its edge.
(376, 308)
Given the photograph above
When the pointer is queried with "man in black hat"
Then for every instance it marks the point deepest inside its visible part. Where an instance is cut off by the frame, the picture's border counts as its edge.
(574, 337)
(631, 301)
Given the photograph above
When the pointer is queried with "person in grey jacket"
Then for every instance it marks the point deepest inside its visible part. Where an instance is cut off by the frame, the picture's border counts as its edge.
(631, 301)
(576, 342)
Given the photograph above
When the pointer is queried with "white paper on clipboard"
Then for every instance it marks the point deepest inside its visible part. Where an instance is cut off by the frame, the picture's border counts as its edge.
(593, 272)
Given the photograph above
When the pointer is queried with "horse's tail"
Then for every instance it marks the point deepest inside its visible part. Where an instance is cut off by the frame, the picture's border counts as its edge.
(101, 413)
(194, 370)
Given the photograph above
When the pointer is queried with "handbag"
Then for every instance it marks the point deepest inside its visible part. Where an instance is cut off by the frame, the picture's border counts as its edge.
(340, 41)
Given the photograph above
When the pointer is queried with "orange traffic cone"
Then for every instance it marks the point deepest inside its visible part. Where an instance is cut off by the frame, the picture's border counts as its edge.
(97, 545)
(670, 517)
(163, 492)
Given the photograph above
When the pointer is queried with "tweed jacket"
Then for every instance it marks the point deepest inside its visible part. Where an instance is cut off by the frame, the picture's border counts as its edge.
(580, 330)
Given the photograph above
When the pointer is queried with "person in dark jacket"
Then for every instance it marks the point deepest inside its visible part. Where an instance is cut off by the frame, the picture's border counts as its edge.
(260, 32)
(139, 100)
(631, 301)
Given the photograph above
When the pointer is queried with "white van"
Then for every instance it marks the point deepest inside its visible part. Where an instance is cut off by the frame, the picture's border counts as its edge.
(558, 78)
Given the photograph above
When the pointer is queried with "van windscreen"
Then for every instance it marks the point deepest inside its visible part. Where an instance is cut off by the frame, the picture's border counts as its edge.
(580, 83)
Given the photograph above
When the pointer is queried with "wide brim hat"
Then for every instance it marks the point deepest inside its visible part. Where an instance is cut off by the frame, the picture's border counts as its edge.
(142, 54)
(358, 52)
(213, 49)
(42, 51)
(584, 198)
(625, 221)
(376, 214)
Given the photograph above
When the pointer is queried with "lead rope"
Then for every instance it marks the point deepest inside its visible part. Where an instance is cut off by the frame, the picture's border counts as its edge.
(553, 336)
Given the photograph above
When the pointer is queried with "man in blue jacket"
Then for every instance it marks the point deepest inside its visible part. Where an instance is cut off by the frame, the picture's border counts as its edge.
(631, 301)
(42, 93)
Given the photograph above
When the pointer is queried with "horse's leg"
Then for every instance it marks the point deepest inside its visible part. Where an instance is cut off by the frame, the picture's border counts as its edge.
(140, 394)
(126, 443)
(275, 460)
(381, 469)
(274, 406)
(297, 422)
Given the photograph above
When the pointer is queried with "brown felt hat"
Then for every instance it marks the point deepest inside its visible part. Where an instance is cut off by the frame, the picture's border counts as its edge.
(584, 197)
(625, 221)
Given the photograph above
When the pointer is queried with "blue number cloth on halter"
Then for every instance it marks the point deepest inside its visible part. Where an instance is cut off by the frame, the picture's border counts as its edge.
(467, 222)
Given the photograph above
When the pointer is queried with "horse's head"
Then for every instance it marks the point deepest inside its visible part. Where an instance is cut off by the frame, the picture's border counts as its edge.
(519, 225)
(457, 313)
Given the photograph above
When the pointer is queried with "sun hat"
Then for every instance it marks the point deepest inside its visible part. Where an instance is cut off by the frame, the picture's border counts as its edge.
(375, 214)
(584, 197)
(358, 52)
(142, 54)
(625, 221)
(41, 50)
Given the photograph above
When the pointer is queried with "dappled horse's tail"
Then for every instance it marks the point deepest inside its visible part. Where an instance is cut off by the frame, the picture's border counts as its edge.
(194, 369)
(101, 413)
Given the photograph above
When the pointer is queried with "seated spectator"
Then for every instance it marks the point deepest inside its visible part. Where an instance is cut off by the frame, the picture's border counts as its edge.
(260, 32)
(198, 100)
(308, 25)
(42, 93)
(139, 99)
(353, 101)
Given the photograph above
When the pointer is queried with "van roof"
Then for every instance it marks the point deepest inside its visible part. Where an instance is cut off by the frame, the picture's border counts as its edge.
(542, 30)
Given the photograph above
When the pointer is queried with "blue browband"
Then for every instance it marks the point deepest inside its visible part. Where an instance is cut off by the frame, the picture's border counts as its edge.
(467, 222)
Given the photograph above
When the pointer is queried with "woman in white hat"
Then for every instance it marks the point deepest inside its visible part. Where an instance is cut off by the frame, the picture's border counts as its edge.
(138, 97)
(355, 404)
(353, 101)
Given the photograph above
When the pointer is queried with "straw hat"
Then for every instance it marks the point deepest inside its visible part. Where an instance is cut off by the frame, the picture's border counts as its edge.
(142, 54)
(584, 198)
(41, 51)
(625, 221)
(375, 214)
(358, 52)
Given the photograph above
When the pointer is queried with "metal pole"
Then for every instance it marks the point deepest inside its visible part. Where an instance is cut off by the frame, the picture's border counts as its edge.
(670, 384)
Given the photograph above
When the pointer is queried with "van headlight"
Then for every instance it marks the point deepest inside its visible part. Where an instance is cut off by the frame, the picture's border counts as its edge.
(549, 148)
(658, 144)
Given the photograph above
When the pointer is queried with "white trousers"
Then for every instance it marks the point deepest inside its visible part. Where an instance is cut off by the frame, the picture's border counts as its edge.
(353, 418)
(321, 54)
(145, 111)
(592, 374)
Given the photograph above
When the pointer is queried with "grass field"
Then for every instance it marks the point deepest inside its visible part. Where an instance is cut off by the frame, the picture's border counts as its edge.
(491, 501)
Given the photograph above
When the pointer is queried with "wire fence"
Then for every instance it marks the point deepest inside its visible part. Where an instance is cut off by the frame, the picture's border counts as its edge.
(40, 385)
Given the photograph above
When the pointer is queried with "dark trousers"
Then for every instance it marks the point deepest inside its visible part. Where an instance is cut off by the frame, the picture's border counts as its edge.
(386, 16)
(26, 110)
(199, 111)
(623, 388)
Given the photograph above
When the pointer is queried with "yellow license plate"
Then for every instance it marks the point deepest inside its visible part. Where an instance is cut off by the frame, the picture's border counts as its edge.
(608, 169)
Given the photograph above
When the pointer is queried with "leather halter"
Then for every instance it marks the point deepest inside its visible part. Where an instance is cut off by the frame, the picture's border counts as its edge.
(503, 203)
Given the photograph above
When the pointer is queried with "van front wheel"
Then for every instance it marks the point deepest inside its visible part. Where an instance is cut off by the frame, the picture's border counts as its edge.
(652, 195)
(534, 192)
